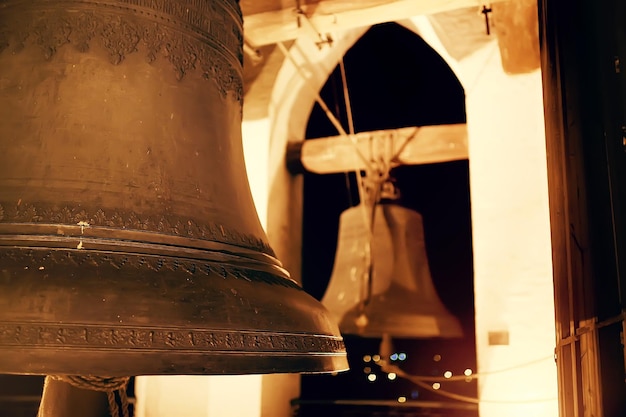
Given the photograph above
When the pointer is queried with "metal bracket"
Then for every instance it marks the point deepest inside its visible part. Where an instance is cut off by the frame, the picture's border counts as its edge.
(304, 22)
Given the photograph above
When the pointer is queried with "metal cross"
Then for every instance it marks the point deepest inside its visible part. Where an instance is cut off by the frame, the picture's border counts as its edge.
(486, 10)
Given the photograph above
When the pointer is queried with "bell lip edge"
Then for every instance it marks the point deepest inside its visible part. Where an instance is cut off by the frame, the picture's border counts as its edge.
(324, 363)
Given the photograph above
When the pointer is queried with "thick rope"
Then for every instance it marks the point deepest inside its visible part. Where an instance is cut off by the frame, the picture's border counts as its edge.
(110, 385)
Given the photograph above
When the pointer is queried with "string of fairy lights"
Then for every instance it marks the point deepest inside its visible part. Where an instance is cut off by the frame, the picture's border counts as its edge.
(391, 370)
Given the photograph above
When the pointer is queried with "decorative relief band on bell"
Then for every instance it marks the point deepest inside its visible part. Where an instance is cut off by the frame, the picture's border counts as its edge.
(194, 35)
(31, 213)
(49, 335)
(37, 258)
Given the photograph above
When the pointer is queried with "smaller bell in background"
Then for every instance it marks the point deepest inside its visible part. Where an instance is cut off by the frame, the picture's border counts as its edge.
(396, 297)
(349, 284)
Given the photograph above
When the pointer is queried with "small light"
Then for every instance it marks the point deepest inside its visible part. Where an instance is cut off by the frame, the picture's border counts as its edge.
(436, 385)
(401, 399)
(447, 374)
(367, 370)
(361, 321)
(367, 358)
(391, 376)
(467, 372)
(437, 358)
(394, 357)
(402, 356)
(376, 358)
(414, 394)
(371, 377)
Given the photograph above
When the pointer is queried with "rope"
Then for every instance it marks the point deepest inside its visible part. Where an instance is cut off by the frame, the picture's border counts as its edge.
(320, 101)
(114, 387)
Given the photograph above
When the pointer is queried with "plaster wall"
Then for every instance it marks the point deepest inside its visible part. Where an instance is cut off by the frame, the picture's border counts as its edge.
(511, 239)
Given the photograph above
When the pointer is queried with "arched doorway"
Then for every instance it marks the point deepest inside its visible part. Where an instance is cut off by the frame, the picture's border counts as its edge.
(395, 80)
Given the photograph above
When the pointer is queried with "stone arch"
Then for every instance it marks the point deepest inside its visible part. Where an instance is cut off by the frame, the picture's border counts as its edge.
(287, 111)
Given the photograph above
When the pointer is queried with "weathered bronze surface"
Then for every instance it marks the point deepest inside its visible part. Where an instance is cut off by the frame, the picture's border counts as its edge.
(129, 242)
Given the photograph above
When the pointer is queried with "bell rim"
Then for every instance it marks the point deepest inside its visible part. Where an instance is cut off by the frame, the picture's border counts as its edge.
(249, 363)
(210, 324)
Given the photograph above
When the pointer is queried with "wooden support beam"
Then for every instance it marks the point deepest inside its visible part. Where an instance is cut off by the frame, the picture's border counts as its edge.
(413, 146)
(328, 16)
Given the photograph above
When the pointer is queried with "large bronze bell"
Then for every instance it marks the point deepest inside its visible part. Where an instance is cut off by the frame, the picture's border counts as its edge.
(396, 297)
(129, 242)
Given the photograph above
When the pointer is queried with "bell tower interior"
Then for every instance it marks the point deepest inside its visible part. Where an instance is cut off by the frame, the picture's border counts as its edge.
(520, 208)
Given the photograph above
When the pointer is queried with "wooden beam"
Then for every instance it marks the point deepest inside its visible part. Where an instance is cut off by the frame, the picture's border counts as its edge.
(413, 146)
(328, 16)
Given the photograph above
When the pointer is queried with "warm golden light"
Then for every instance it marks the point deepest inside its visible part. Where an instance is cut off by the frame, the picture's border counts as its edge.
(401, 399)
(447, 374)
(198, 395)
(512, 253)
(436, 385)
(467, 372)
(371, 377)
(367, 358)
(391, 376)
